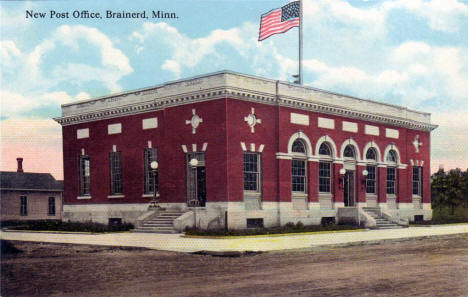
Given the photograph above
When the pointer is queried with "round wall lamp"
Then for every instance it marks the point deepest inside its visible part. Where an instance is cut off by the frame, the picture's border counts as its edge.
(342, 171)
(193, 162)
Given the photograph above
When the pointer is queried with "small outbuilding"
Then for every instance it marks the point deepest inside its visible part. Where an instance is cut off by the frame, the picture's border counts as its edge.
(30, 196)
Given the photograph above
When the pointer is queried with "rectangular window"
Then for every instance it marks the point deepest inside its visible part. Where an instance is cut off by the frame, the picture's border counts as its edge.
(51, 206)
(371, 179)
(298, 175)
(252, 172)
(115, 173)
(325, 177)
(149, 155)
(84, 175)
(417, 174)
(391, 180)
(23, 205)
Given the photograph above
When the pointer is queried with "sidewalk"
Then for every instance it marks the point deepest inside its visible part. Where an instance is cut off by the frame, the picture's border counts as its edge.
(178, 243)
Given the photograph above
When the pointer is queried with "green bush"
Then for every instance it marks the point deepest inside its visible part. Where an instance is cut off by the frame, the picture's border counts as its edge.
(287, 228)
(50, 225)
(442, 215)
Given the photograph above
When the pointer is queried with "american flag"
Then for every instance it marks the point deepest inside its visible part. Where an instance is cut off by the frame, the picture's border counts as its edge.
(279, 20)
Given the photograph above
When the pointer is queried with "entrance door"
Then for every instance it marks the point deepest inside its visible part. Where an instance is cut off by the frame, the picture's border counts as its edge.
(349, 188)
(196, 180)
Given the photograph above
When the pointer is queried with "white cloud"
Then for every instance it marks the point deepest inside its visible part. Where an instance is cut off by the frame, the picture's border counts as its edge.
(340, 15)
(112, 67)
(441, 15)
(8, 50)
(189, 52)
(410, 50)
(442, 68)
(14, 105)
(173, 67)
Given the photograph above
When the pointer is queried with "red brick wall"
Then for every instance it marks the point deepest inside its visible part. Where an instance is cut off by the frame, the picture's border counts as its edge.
(223, 128)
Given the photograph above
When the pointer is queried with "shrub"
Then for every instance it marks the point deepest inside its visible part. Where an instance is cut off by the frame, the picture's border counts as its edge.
(287, 228)
(49, 225)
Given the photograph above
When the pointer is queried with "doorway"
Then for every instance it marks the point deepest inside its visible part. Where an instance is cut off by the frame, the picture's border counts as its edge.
(349, 188)
(196, 179)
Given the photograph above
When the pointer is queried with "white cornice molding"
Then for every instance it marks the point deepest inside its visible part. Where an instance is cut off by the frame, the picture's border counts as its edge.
(155, 99)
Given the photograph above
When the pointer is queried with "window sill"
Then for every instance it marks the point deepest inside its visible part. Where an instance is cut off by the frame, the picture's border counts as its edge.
(416, 196)
(371, 195)
(324, 195)
(252, 194)
(83, 197)
(391, 196)
(147, 196)
(298, 195)
(115, 196)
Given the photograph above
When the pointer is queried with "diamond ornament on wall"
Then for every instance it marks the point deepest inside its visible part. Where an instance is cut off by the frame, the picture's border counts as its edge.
(416, 143)
(252, 120)
(194, 121)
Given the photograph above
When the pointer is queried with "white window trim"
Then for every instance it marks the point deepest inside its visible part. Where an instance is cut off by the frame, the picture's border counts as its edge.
(115, 196)
(83, 197)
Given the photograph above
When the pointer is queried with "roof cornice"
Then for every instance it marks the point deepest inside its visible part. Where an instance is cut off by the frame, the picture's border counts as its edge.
(227, 84)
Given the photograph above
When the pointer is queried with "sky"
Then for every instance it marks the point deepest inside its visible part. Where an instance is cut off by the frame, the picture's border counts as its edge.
(412, 53)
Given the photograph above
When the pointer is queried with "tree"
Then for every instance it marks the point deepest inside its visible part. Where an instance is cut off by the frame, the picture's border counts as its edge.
(439, 190)
(449, 189)
(465, 188)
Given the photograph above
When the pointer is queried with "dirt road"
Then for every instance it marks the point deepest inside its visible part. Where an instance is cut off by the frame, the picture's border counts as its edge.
(430, 267)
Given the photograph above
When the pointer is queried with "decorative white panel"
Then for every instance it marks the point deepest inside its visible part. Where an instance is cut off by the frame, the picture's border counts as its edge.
(150, 123)
(82, 133)
(114, 128)
(299, 119)
(371, 130)
(326, 123)
(350, 127)
(391, 133)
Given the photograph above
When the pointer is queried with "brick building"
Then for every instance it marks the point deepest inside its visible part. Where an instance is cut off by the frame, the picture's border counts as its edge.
(242, 150)
(30, 196)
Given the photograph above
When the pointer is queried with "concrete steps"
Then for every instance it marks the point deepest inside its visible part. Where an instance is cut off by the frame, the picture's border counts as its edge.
(163, 223)
(381, 222)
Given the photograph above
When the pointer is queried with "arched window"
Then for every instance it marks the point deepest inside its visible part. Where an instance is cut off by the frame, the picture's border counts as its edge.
(391, 172)
(349, 152)
(371, 178)
(298, 167)
(324, 171)
(371, 154)
(392, 157)
(324, 149)
(298, 147)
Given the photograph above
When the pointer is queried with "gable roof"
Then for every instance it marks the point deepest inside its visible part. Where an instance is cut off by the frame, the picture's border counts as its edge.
(29, 181)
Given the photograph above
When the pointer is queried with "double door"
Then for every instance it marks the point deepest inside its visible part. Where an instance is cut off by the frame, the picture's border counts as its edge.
(349, 191)
(196, 179)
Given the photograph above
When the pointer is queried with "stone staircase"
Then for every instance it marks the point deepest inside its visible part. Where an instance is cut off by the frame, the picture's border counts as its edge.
(161, 223)
(381, 222)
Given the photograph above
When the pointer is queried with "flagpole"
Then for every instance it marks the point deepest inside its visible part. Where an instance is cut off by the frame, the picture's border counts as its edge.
(300, 42)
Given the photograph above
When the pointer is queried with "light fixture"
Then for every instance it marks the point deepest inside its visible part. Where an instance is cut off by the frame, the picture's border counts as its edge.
(193, 162)
(365, 172)
(154, 204)
(342, 171)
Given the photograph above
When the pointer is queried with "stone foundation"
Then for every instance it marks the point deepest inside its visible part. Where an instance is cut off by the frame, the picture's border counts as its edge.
(213, 215)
